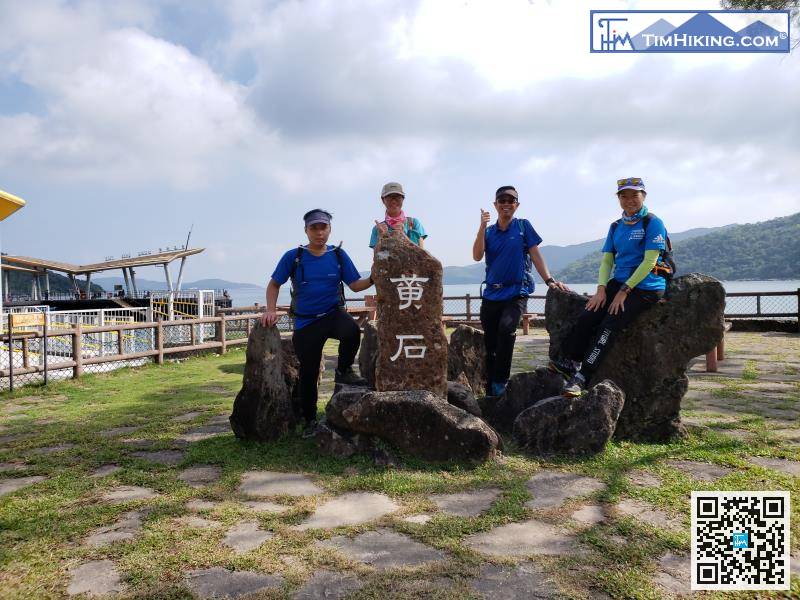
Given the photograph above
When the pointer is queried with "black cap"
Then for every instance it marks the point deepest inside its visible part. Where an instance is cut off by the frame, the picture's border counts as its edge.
(506, 190)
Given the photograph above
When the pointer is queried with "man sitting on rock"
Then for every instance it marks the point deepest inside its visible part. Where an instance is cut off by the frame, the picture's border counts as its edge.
(511, 247)
(633, 246)
(317, 271)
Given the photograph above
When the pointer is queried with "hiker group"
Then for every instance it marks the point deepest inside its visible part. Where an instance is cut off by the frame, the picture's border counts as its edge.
(635, 266)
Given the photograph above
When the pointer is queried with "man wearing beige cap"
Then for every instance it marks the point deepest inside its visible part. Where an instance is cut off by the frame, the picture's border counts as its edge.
(392, 196)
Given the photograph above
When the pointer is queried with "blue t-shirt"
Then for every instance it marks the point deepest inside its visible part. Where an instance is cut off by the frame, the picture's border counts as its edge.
(415, 232)
(505, 260)
(317, 279)
(629, 243)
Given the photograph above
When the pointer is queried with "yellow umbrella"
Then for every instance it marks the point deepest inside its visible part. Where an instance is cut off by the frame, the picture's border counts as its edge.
(9, 204)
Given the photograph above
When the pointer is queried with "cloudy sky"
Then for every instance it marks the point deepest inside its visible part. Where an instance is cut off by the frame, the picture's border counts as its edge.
(125, 122)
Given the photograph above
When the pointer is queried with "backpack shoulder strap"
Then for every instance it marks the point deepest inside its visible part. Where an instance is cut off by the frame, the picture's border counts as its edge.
(338, 251)
(297, 257)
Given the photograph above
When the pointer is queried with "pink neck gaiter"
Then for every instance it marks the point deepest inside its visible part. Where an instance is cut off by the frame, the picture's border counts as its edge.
(393, 221)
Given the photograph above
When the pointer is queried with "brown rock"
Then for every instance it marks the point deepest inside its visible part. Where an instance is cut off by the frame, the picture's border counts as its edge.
(368, 352)
(412, 346)
(466, 357)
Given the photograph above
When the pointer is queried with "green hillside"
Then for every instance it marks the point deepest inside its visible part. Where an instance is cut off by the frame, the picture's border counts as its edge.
(766, 250)
(20, 284)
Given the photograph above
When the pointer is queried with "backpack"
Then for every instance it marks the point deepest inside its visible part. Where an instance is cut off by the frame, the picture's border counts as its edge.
(527, 265)
(665, 265)
(292, 275)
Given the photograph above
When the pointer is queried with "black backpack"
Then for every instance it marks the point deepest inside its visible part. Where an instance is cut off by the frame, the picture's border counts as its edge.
(298, 264)
(665, 265)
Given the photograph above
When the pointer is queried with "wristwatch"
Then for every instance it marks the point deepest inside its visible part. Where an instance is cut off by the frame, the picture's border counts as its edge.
(625, 288)
(549, 280)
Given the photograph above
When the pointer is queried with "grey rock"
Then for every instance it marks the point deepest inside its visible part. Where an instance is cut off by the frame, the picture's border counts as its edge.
(466, 354)
(272, 483)
(264, 506)
(201, 505)
(591, 514)
(466, 504)
(649, 360)
(195, 522)
(200, 475)
(417, 519)
(221, 583)
(417, 422)
(523, 539)
(9, 486)
(205, 432)
(47, 451)
(674, 575)
(502, 582)
(341, 443)
(384, 549)
(522, 392)
(550, 489)
(13, 466)
(96, 578)
(244, 537)
(571, 426)
(354, 508)
(327, 585)
(368, 353)
(643, 479)
(461, 396)
(186, 417)
(116, 431)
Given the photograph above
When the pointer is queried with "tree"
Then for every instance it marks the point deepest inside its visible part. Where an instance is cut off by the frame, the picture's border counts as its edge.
(793, 6)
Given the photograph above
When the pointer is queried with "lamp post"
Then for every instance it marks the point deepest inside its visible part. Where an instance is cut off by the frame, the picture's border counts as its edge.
(9, 204)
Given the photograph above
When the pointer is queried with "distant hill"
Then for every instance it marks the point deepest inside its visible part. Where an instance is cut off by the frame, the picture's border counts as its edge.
(766, 250)
(557, 257)
(20, 284)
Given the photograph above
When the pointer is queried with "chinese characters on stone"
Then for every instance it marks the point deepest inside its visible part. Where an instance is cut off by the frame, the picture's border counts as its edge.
(409, 290)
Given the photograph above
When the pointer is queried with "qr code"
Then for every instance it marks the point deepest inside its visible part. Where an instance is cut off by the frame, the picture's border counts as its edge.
(740, 540)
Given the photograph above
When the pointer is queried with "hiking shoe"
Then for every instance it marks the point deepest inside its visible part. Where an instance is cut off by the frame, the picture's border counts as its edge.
(309, 430)
(564, 367)
(498, 389)
(575, 387)
(348, 377)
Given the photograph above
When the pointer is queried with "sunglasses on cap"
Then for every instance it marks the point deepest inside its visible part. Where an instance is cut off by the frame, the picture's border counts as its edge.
(629, 181)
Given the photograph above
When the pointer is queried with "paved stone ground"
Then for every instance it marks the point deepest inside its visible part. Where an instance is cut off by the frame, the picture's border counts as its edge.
(262, 517)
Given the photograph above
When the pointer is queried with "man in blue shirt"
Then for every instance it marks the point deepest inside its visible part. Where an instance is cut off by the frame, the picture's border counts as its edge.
(633, 248)
(511, 247)
(317, 271)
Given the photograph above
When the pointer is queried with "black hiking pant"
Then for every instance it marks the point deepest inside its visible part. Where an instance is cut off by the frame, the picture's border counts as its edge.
(500, 320)
(308, 343)
(593, 333)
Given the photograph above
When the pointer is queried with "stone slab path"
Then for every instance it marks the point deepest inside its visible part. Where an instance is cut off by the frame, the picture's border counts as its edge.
(200, 475)
(221, 583)
(466, 504)
(550, 489)
(790, 467)
(649, 514)
(265, 506)
(9, 486)
(162, 457)
(699, 470)
(644, 479)
(674, 575)
(527, 580)
(272, 483)
(328, 585)
(96, 578)
(201, 505)
(128, 493)
(523, 539)
(105, 470)
(247, 536)
(591, 514)
(349, 509)
(384, 549)
(125, 529)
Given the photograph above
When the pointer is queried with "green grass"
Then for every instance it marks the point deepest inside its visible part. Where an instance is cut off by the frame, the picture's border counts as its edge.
(42, 527)
(750, 371)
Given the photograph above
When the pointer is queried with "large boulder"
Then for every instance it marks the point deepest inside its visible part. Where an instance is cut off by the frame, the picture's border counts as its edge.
(571, 426)
(523, 391)
(412, 346)
(648, 361)
(368, 353)
(460, 395)
(263, 409)
(415, 421)
(466, 355)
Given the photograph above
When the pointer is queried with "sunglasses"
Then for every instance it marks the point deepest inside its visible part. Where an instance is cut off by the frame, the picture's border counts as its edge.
(506, 200)
(629, 181)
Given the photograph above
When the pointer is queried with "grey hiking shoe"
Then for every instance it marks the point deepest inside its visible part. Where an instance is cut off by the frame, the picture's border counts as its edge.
(309, 430)
(575, 387)
(348, 377)
(564, 367)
